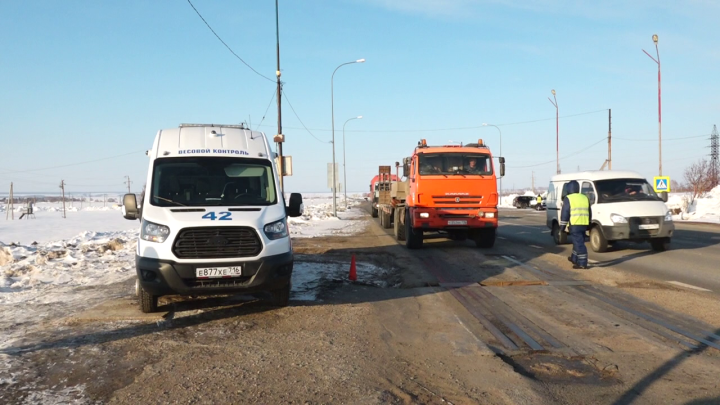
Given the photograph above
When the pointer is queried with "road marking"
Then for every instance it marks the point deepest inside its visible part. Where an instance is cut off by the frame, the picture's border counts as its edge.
(689, 286)
(536, 246)
(500, 237)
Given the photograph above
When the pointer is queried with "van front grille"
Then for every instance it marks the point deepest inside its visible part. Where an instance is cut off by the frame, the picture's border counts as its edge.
(216, 243)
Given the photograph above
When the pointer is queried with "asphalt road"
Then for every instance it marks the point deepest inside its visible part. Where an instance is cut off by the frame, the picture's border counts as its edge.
(693, 258)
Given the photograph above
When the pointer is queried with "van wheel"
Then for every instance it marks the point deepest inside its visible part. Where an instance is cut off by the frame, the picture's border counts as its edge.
(660, 244)
(559, 236)
(484, 238)
(413, 238)
(281, 296)
(148, 302)
(598, 243)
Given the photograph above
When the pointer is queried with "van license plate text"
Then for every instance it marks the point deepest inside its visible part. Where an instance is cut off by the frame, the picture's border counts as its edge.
(217, 272)
(649, 226)
(464, 222)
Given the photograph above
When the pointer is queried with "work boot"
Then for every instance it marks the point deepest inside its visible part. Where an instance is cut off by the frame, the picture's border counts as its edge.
(570, 259)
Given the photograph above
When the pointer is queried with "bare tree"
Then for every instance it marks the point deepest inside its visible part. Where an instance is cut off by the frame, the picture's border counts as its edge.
(697, 177)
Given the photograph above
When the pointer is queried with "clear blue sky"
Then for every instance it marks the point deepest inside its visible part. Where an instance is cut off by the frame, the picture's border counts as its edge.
(90, 80)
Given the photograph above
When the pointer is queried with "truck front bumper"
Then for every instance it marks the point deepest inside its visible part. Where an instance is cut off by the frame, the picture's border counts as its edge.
(444, 219)
(167, 277)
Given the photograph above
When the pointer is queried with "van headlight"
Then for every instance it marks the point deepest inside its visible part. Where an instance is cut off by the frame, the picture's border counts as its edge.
(668, 216)
(276, 230)
(154, 232)
(618, 219)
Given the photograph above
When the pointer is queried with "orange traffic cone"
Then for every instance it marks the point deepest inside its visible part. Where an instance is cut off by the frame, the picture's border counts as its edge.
(353, 270)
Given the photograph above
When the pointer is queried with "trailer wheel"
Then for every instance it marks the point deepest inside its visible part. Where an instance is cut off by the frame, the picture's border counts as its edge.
(399, 226)
(386, 223)
(413, 238)
(374, 212)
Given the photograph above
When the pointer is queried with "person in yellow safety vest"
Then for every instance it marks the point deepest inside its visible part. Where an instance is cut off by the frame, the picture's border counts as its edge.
(576, 218)
(539, 199)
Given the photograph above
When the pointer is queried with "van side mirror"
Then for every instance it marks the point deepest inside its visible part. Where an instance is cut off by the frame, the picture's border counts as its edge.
(295, 208)
(129, 208)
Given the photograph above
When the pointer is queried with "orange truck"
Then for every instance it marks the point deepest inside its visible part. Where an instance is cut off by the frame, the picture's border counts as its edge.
(449, 191)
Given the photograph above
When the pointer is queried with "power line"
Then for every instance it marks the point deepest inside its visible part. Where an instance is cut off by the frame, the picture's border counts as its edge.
(71, 164)
(563, 158)
(456, 128)
(266, 110)
(226, 45)
(664, 139)
(303, 124)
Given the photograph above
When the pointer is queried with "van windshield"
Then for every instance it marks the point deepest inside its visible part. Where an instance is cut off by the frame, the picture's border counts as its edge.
(622, 190)
(455, 163)
(205, 181)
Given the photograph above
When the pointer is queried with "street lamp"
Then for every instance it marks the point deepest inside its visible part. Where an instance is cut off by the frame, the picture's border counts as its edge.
(332, 112)
(359, 117)
(655, 39)
(498, 128)
(557, 131)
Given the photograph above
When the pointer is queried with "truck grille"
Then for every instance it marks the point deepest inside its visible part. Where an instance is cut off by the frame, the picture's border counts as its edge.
(216, 243)
(457, 199)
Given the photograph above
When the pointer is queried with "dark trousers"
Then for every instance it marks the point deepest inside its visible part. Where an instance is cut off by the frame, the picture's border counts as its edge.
(579, 253)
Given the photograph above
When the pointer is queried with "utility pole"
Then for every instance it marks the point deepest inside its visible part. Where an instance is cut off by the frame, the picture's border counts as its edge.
(610, 139)
(11, 205)
(62, 186)
(128, 183)
(533, 182)
(714, 151)
(279, 138)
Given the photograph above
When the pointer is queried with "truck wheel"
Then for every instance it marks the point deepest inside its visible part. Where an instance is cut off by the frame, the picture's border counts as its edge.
(148, 302)
(559, 236)
(281, 296)
(399, 227)
(485, 238)
(374, 212)
(660, 244)
(386, 223)
(598, 243)
(413, 238)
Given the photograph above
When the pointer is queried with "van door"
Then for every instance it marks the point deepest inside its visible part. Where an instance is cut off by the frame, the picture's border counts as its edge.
(588, 191)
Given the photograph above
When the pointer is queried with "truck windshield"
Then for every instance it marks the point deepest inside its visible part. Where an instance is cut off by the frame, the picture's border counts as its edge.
(455, 164)
(622, 190)
(204, 181)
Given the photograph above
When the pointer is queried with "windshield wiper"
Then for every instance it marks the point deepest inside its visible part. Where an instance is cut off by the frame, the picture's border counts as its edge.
(168, 200)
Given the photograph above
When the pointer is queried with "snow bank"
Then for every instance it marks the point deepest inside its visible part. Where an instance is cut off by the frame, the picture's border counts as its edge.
(703, 209)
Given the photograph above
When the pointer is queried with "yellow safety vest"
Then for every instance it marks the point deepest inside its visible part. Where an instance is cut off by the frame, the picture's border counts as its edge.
(539, 199)
(579, 209)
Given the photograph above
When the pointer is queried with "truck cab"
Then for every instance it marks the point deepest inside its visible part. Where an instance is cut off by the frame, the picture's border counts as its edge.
(213, 218)
(451, 190)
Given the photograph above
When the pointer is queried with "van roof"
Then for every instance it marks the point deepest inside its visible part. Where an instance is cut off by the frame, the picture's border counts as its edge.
(593, 175)
(210, 140)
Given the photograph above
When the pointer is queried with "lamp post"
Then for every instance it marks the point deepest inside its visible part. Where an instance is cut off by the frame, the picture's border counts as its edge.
(332, 113)
(359, 117)
(557, 131)
(498, 128)
(655, 39)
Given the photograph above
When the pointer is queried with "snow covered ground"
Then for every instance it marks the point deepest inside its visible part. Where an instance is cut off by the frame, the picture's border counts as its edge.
(50, 265)
(703, 209)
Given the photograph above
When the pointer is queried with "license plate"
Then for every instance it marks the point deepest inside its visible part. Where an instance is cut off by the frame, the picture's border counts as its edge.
(649, 226)
(218, 272)
(464, 222)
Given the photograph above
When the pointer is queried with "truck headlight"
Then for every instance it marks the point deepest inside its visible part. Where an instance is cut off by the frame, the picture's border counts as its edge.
(618, 219)
(154, 232)
(490, 215)
(276, 230)
(668, 216)
(424, 215)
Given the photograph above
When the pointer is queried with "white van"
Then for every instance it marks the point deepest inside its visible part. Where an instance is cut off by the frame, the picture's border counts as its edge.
(623, 205)
(213, 219)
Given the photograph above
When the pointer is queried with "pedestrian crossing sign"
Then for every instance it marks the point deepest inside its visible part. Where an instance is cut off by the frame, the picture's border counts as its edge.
(661, 184)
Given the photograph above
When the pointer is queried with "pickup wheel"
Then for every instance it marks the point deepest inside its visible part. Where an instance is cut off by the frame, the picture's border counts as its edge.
(148, 302)
(598, 243)
(413, 238)
(399, 227)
